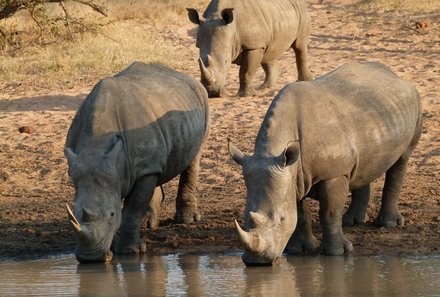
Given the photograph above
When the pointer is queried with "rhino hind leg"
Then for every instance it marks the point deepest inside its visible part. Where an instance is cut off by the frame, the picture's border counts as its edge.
(186, 201)
(151, 218)
(389, 215)
(331, 196)
(301, 53)
(251, 60)
(271, 71)
(357, 210)
(135, 207)
(302, 240)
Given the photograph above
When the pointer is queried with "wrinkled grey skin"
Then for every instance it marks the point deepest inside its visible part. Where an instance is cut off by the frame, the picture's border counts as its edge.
(322, 139)
(249, 33)
(134, 132)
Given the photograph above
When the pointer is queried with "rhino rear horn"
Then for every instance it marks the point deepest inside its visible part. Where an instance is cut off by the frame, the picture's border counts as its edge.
(257, 218)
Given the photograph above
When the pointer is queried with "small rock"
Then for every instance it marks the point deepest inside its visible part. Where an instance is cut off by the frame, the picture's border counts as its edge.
(26, 129)
(423, 24)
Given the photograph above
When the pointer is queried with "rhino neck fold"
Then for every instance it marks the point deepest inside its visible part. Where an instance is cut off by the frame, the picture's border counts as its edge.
(236, 48)
(302, 184)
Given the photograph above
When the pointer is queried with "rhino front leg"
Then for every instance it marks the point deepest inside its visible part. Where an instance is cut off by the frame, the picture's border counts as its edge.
(302, 240)
(251, 60)
(355, 213)
(331, 195)
(389, 215)
(186, 201)
(271, 71)
(135, 206)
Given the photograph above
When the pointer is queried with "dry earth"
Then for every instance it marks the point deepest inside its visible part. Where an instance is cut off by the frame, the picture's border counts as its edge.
(34, 185)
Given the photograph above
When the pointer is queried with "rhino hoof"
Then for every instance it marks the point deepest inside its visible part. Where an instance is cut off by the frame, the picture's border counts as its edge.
(389, 221)
(187, 219)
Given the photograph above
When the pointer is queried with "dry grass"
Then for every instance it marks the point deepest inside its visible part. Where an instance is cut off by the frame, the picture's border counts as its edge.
(133, 31)
(156, 11)
(406, 5)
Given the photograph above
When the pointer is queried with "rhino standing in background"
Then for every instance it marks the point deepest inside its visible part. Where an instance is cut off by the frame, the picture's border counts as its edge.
(250, 33)
(322, 139)
(134, 132)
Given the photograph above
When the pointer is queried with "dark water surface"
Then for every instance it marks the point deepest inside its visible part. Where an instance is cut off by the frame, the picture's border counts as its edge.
(222, 275)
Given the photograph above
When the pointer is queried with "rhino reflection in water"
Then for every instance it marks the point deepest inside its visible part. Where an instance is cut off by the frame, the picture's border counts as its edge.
(133, 133)
(322, 139)
(249, 33)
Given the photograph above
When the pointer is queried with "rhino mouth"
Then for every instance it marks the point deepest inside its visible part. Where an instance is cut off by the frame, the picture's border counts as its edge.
(89, 249)
(252, 260)
(93, 257)
(213, 94)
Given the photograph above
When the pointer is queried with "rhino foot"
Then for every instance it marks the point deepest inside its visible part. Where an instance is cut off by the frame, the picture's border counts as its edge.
(247, 92)
(187, 217)
(128, 244)
(133, 249)
(351, 219)
(336, 247)
(151, 219)
(389, 220)
(298, 245)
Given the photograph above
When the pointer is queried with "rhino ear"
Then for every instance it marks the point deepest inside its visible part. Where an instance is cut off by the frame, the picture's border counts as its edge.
(70, 155)
(193, 16)
(109, 163)
(291, 153)
(228, 15)
(236, 154)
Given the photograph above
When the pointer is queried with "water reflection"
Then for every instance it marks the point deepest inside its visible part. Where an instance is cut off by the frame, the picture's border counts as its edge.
(220, 275)
(279, 280)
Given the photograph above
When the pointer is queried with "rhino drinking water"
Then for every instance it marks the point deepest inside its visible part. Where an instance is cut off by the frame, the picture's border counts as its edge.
(249, 33)
(134, 132)
(322, 139)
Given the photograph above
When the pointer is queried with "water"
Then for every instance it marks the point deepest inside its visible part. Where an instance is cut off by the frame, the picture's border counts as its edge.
(222, 275)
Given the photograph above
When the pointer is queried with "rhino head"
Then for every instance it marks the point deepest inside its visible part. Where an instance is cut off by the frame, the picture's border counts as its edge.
(215, 40)
(97, 214)
(270, 215)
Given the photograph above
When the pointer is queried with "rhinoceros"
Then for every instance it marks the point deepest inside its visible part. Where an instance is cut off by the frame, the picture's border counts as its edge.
(134, 132)
(323, 139)
(249, 33)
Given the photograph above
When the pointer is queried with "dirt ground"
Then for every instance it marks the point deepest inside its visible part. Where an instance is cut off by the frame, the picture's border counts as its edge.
(34, 185)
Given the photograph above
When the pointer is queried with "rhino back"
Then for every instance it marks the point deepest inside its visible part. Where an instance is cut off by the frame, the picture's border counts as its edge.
(160, 114)
(269, 24)
(355, 121)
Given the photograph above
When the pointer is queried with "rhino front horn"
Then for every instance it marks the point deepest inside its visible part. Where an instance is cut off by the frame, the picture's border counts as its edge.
(73, 221)
(251, 240)
(207, 74)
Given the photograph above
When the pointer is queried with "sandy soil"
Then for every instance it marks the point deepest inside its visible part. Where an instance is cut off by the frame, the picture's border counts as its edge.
(34, 185)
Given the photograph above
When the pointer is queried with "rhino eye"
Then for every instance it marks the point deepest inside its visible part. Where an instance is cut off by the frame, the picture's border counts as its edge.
(112, 214)
(282, 219)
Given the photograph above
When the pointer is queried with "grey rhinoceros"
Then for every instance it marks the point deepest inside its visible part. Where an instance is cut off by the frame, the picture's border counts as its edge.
(134, 132)
(250, 33)
(322, 139)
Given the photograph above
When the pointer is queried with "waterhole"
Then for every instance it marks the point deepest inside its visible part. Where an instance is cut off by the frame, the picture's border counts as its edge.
(222, 275)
